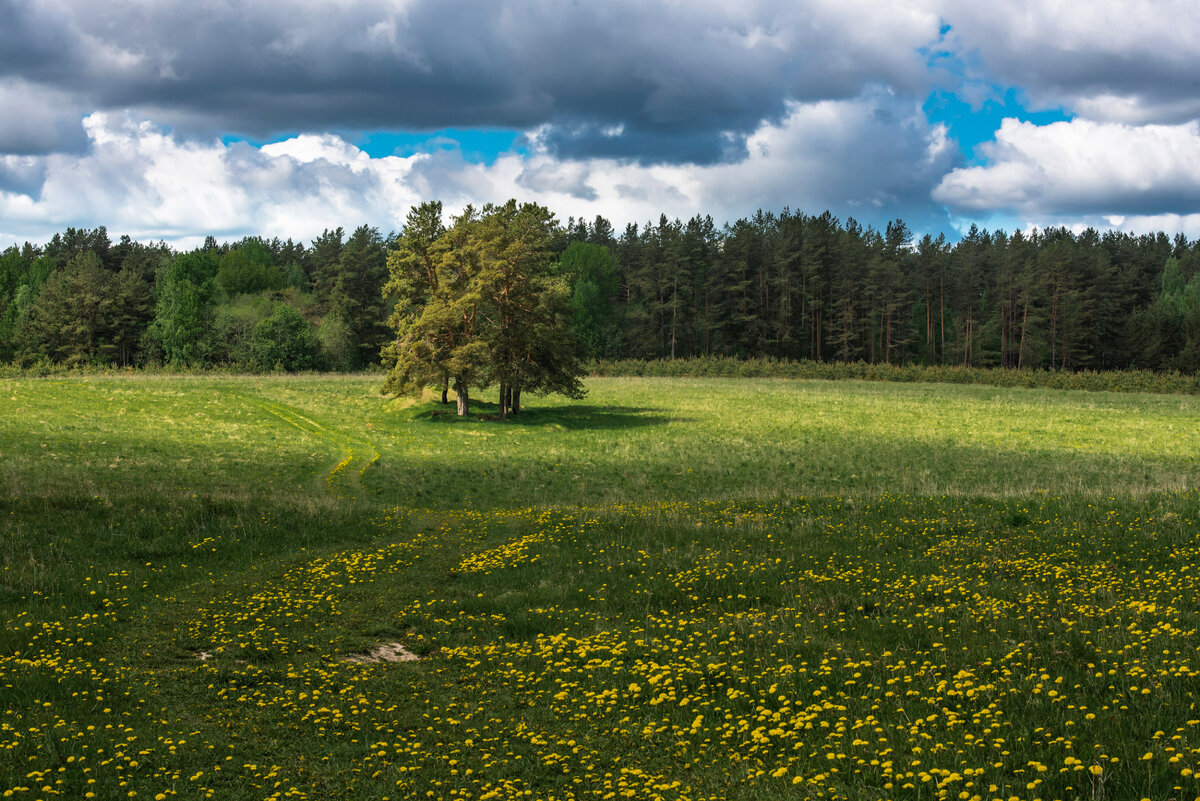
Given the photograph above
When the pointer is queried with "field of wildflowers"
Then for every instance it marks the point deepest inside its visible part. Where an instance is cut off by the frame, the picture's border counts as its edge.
(674, 589)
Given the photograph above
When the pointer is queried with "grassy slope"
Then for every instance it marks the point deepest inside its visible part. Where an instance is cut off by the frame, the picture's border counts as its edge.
(675, 588)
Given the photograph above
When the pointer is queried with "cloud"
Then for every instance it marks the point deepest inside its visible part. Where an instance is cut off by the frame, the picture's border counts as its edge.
(22, 175)
(35, 120)
(1131, 61)
(1081, 168)
(674, 82)
(1137, 224)
(873, 156)
(138, 179)
(628, 109)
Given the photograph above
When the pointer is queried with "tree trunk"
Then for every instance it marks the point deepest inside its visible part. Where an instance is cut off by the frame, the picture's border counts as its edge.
(819, 328)
(445, 389)
(674, 308)
(1024, 326)
(929, 344)
(503, 401)
(967, 330)
(706, 350)
(942, 316)
(887, 351)
(464, 401)
(1054, 329)
(1003, 332)
(516, 400)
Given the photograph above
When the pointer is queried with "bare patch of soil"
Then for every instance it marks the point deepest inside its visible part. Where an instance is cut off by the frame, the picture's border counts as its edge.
(388, 652)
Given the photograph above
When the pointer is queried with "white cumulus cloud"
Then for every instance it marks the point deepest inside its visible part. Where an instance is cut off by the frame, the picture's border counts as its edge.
(866, 157)
(1081, 168)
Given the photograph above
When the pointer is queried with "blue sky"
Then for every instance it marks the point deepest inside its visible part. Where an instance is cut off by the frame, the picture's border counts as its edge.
(476, 145)
(972, 124)
(176, 121)
(480, 145)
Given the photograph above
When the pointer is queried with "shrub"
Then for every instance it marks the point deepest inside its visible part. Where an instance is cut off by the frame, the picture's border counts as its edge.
(285, 340)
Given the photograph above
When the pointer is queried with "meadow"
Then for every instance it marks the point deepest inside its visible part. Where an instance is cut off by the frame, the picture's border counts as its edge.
(672, 589)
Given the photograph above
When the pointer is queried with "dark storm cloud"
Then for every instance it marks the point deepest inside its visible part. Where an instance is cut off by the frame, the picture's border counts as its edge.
(34, 121)
(33, 46)
(683, 82)
(702, 145)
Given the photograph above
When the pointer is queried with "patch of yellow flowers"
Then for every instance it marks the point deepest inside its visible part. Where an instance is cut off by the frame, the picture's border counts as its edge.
(776, 650)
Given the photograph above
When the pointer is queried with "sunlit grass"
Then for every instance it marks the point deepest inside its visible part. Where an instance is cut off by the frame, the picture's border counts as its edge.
(672, 589)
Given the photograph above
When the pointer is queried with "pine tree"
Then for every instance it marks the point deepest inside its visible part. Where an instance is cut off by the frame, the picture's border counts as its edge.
(529, 333)
(69, 320)
(357, 293)
(445, 338)
(494, 313)
(413, 272)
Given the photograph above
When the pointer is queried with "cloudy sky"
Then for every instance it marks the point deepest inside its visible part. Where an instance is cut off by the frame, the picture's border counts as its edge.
(176, 120)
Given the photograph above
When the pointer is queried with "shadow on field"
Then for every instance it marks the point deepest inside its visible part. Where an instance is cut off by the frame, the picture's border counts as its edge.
(566, 418)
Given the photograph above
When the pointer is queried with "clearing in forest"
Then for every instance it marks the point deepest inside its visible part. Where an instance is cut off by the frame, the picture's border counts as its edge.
(230, 588)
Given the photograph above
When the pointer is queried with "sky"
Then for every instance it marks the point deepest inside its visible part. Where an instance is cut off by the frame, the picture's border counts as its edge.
(173, 121)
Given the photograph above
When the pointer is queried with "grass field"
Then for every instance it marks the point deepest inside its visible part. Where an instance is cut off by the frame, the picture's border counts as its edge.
(677, 589)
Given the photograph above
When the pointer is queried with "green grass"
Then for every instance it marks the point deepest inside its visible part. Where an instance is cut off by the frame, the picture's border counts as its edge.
(675, 588)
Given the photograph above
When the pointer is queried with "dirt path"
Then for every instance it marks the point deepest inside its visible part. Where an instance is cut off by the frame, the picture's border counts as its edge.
(345, 478)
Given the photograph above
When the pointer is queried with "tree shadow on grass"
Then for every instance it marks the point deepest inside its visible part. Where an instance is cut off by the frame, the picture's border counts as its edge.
(566, 418)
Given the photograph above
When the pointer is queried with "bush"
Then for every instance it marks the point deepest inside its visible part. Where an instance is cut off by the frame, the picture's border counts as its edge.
(285, 340)
(730, 367)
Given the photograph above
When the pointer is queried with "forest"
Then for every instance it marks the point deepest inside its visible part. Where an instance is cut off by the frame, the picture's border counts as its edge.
(784, 285)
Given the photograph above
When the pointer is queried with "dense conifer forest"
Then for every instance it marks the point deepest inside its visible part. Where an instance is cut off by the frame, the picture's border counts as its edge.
(787, 286)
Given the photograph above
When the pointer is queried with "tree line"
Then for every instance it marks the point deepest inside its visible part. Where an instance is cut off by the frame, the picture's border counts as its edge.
(783, 285)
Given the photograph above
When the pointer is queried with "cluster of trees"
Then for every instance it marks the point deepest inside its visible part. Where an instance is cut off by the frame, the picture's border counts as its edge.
(480, 303)
(255, 303)
(795, 286)
(785, 286)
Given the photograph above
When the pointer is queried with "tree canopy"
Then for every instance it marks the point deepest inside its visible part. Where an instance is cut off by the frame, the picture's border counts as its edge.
(479, 304)
(785, 285)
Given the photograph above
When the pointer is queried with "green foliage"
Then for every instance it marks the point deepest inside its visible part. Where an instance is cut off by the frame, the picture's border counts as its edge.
(785, 286)
(233, 330)
(183, 315)
(729, 367)
(132, 315)
(15, 322)
(13, 268)
(1173, 281)
(323, 261)
(285, 341)
(69, 320)
(478, 305)
(294, 276)
(248, 269)
(591, 272)
(530, 344)
(413, 278)
(75, 242)
(438, 337)
(1168, 330)
(356, 294)
(336, 340)
(412, 270)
